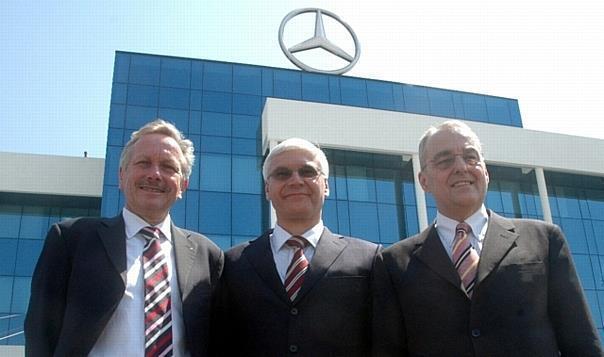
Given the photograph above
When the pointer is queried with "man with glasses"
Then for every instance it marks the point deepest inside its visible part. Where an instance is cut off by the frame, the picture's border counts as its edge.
(298, 288)
(475, 283)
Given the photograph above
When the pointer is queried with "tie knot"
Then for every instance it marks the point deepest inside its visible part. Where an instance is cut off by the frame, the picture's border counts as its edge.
(297, 242)
(463, 227)
(150, 233)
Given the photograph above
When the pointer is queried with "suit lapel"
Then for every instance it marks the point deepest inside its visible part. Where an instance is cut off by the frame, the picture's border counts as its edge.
(260, 256)
(185, 250)
(433, 254)
(500, 237)
(112, 233)
(327, 251)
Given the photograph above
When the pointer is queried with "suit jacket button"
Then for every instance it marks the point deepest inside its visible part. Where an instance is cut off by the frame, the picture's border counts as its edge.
(293, 311)
(476, 332)
(293, 348)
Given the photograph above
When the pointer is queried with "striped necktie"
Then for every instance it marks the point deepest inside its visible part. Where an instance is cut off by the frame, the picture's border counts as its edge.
(158, 314)
(297, 268)
(465, 257)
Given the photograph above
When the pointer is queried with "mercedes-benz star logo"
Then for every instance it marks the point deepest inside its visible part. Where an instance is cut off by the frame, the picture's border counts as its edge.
(319, 40)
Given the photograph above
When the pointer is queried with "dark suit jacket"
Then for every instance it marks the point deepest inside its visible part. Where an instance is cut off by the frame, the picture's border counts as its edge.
(330, 316)
(79, 281)
(528, 300)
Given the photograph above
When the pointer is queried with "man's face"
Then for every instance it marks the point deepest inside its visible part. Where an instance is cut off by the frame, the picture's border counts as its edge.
(455, 174)
(296, 188)
(152, 179)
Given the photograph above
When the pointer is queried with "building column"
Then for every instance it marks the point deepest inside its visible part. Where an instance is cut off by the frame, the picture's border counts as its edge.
(420, 196)
(542, 186)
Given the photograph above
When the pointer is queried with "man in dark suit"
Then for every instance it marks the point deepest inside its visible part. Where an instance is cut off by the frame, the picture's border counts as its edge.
(108, 287)
(298, 288)
(475, 283)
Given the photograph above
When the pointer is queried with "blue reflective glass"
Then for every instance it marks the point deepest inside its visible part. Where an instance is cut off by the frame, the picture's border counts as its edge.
(110, 203)
(575, 234)
(4, 321)
(195, 122)
(361, 186)
(315, 88)
(112, 163)
(498, 112)
(192, 211)
(180, 118)
(247, 104)
(177, 213)
(246, 126)
(287, 84)
(121, 67)
(379, 95)
(247, 80)
(16, 326)
(28, 252)
(144, 69)
(441, 103)
(8, 254)
(20, 295)
(343, 217)
(115, 136)
(196, 139)
(340, 188)
(143, 95)
(592, 300)
(330, 215)
(408, 193)
(215, 144)
(6, 293)
(493, 199)
(515, 113)
(175, 73)
(10, 220)
(267, 82)
(241, 239)
(385, 185)
(217, 77)
(194, 177)
(247, 177)
(215, 172)
(411, 221)
(246, 147)
(215, 124)
(247, 214)
(137, 116)
(223, 242)
(398, 98)
(334, 90)
(584, 270)
(196, 75)
(175, 98)
(416, 99)
(217, 102)
(475, 107)
(119, 93)
(117, 114)
(195, 101)
(353, 91)
(363, 220)
(595, 203)
(34, 222)
(388, 216)
(584, 209)
(458, 105)
(215, 212)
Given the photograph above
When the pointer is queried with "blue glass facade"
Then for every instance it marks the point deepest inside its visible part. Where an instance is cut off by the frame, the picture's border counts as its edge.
(25, 219)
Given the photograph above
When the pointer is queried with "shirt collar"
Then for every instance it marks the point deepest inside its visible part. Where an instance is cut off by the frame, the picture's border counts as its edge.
(478, 221)
(280, 235)
(135, 223)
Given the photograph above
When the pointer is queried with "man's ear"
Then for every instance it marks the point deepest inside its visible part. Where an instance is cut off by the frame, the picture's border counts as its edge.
(121, 178)
(423, 181)
(183, 187)
(326, 188)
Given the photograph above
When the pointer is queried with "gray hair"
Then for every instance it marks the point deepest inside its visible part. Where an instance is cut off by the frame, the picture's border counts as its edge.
(452, 126)
(297, 144)
(160, 126)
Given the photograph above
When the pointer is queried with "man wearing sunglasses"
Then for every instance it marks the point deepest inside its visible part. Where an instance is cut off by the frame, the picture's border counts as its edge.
(475, 283)
(298, 288)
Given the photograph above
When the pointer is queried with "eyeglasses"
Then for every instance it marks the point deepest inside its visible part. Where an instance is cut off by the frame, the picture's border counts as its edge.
(447, 161)
(305, 172)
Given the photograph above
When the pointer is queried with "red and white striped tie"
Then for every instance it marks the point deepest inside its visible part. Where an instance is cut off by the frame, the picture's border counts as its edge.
(465, 257)
(158, 314)
(297, 268)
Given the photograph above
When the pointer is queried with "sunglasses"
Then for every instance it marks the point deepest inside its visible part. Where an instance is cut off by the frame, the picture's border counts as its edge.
(305, 172)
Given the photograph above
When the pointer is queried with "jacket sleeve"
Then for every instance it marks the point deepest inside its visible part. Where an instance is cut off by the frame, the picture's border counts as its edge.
(44, 316)
(568, 309)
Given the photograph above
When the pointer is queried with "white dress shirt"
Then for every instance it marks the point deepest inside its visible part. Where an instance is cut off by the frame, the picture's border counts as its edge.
(124, 335)
(283, 254)
(445, 227)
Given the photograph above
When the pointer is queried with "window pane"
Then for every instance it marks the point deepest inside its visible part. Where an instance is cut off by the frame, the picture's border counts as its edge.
(363, 220)
(215, 172)
(247, 177)
(175, 72)
(215, 212)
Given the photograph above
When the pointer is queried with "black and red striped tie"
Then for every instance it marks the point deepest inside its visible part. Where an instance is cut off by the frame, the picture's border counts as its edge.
(297, 268)
(158, 314)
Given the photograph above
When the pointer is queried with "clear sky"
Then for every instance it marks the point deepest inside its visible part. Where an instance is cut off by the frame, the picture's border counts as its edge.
(56, 57)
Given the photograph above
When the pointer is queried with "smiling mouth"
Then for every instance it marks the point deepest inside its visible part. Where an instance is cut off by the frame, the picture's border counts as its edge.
(462, 183)
(151, 189)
